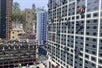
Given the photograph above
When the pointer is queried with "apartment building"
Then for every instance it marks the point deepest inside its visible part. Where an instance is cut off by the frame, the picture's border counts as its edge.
(28, 25)
(5, 18)
(75, 33)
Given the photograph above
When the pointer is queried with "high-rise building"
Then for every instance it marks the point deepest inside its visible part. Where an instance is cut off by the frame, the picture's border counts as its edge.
(5, 18)
(41, 27)
(28, 25)
(75, 33)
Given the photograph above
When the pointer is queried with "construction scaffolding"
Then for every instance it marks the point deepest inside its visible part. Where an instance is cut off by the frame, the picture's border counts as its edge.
(13, 55)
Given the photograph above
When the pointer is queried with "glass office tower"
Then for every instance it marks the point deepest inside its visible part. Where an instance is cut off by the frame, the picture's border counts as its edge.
(41, 27)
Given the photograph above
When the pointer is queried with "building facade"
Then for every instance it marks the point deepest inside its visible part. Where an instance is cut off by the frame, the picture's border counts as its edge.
(14, 35)
(5, 18)
(28, 25)
(75, 33)
(41, 27)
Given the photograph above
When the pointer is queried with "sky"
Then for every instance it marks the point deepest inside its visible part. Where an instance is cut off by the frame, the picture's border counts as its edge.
(28, 3)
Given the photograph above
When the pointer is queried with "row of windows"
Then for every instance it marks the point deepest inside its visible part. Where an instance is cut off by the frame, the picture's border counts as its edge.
(78, 61)
(78, 17)
(88, 39)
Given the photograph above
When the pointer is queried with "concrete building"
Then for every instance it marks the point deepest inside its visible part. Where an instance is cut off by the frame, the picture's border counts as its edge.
(5, 18)
(15, 33)
(41, 27)
(28, 25)
(75, 33)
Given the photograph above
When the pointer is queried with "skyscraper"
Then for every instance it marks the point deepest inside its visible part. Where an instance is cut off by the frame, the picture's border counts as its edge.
(28, 25)
(75, 33)
(41, 27)
(5, 18)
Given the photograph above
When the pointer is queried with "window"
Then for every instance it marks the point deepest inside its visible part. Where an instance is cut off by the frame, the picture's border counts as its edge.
(100, 47)
(87, 33)
(71, 36)
(65, 18)
(100, 61)
(13, 37)
(76, 42)
(95, 21)
(100, 54)
(12, 32)
(72, 18)
(81, 48)
(80, 64)
(77, 17)
(93, 64)
(67, 49)
(100, 67)
(81, 43)
(78, 0)
(94, 40)
(87, 50)
(82, 16)
(69, 18)
(86, 56)
(76, 37)
(101, 40)
(88, 15)
(72, 51)
(82, 21)
(86, 61)
(94, 46)
(93, 52)
(88, 27)
(87, 39)
(95, 15)
(94, 33)
(93, 58)
(94, 27)
(86, 67)
(101, 34)
(88, 21)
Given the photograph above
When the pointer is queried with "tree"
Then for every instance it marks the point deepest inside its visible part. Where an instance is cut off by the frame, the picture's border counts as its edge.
(17, 15)
(16, 6)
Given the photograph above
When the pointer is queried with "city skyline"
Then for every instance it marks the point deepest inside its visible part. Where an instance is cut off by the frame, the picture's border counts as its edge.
(28, 4)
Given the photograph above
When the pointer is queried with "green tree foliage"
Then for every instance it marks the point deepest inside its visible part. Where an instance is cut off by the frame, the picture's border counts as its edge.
(17, 15)
(16, 6)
